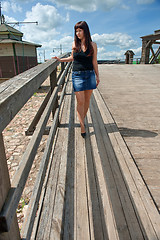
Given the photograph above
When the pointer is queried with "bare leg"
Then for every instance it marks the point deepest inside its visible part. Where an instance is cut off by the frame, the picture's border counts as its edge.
(80, 96)
(87, 94)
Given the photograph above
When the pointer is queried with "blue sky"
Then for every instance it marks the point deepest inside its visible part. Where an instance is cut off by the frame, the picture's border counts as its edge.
(116, 25)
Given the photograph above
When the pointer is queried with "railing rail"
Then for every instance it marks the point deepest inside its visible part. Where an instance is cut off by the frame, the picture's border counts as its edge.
(15, 92)
(13, 95)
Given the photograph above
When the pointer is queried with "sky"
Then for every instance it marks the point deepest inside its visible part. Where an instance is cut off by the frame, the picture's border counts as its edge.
(115, 25)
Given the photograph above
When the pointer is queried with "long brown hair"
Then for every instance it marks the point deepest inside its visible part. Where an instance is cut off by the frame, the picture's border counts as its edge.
(88, 40)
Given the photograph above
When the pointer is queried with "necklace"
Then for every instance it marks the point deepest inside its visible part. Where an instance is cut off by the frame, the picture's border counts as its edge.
(83, 47)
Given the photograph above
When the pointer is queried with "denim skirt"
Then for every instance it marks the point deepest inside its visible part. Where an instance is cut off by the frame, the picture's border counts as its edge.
(83, 80)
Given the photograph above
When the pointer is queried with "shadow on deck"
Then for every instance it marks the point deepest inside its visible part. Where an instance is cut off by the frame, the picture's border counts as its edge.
(93, 189)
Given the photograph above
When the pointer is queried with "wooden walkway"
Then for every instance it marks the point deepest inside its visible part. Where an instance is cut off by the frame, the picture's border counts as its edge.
(103, 187)
(132, 94)
(94, 189)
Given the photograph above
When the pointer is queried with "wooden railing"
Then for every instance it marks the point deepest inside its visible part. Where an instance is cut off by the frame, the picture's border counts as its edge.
(13, 95)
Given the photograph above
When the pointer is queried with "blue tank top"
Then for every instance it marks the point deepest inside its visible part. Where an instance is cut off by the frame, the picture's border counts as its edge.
(81, 61)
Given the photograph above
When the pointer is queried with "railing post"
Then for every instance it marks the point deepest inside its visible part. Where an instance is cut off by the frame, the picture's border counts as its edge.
(62, 66)
(62, 69)
(5, 185)
(145, 51)
(53, 83)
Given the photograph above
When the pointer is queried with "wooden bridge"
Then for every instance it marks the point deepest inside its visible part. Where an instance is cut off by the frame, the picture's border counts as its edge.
(86, 188)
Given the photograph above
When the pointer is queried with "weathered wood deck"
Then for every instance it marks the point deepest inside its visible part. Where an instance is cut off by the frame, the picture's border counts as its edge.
(105, 186)
(95, 189)
(132, 94)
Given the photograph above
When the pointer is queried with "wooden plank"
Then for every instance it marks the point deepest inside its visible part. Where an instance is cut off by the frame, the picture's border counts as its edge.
(69, 220)
(4, 174)
(114, 227)
(57, 220)
(34, 122)
(44, 230)
(5, 186)
(96, 229)
(152, 51)
(82, 230)
(126, 220)
(144, 206)
(53, 83)
(43, 192)
(33, 204)
(49, 198)
(48, 204)
(151, 37)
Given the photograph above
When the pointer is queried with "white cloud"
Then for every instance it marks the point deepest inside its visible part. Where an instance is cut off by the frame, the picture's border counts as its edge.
(67, 17)
(122, 43)
(89, 5)
(107, 4)
(118, 41)
(137, 51)
(101, 50)
(49, 20)
(47, 31)
(80, 6)
(145, 1)
(10, 19)
(22, 1)
(46, 15)
(11, 6)
(121, 40)
(113, 55)
(66, 43)
(125, 7)
(47, 47)
(94, 5)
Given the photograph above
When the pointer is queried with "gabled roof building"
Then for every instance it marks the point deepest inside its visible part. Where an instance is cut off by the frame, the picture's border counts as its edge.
(16, 55)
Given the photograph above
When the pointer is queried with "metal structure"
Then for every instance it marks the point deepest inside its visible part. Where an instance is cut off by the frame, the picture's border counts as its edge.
(2, 19)
(58, 48)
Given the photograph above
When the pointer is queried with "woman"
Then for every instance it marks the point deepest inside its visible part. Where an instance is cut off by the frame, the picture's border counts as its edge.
(85, 67)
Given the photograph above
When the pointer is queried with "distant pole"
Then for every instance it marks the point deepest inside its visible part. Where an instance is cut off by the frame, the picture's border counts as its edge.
(0, 14)
(44, 56)
(60, 48)
(2, 18)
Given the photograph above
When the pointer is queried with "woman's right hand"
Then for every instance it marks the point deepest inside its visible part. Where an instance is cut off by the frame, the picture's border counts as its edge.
(57, 58)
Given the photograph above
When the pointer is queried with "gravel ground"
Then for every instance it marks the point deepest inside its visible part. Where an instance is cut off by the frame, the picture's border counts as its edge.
(16, 142)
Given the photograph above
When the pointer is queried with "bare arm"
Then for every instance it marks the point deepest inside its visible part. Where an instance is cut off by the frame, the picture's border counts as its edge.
(68, 59)
(95, 64)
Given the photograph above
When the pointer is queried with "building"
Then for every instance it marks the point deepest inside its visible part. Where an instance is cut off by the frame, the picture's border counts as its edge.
(16, 55)
(129, 56)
